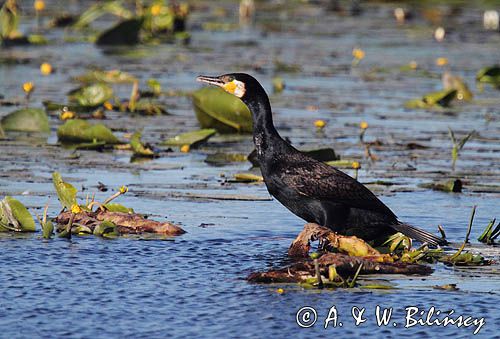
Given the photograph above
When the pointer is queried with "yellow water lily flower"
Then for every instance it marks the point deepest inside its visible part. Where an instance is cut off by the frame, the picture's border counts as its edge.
(123, 189)
(66, 115)
(363, 125)
(46, 68)
(320, 123)
(441, 61)
(185, 148)
(39, 5)
(356, 165)
(76, 209)
(280, 291)
(28, 87)
(358, 53)
(156, 10)
(107, 105)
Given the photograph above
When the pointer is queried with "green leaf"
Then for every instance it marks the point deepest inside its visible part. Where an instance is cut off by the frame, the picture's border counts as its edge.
(440, 99)
(26, 120)
(113, 207)
(9, 20)
(91, 96)
(139, 148)
(96, 11)
(190, 138)
(106, 229)
(81, 131)
(114, 76)
(47, 229)
(14, 216)
(215, 108)
(65, 191)
(489, 75)
(247, 177)
(154, 85)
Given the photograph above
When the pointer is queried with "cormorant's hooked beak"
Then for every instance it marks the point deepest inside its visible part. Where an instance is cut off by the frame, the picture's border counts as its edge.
(211, 80)
(230, 85)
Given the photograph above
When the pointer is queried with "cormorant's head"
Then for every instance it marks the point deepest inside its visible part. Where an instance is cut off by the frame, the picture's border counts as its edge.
(235, 83)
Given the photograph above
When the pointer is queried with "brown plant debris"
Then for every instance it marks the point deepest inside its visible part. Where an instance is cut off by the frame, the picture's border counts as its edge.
(126, 223)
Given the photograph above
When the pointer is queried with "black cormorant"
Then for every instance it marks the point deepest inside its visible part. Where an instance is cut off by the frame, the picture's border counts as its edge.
(312, 190)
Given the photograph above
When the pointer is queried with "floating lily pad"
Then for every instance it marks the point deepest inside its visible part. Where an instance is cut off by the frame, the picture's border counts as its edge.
(224, 158)
(65, 191)
(114, 76)
(123, 33)
(96, 11)
(434, 99)
(215, 108)
(139, 148)
(114, 207)
(91, 96)
(15, 217)
(489, 75)
(452, 185)
(247, 177)
(81, 131)
(55, 106)
(26, 120)
(191, 138)
(106, 229)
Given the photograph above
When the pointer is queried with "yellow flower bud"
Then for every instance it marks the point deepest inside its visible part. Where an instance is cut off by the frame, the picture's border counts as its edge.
(155, 10)
(363, 125)
(356, 165)
(185, 148)
(66, 115)
(46, 68)
(358, 53)
(280, 291)
(39, 5)
(123, 189)
(320, 123)
(441, 61)
(108, 105)
(76, 209)
(28, 87)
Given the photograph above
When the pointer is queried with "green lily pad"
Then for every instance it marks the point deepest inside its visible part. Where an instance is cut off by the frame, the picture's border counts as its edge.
(190, 138)
(99, 9)
(81, 131)
(15, 217)
(124, 33)
(434, 99)
(114, 207)
(225, 158)
(26, 120)
(114, 76)
(452, 185)
(106, 229)
(91, 96)
(139, 148)
(65, 191)
(55, 106)
(489, 75)
(247, 177)
(215, 108)
(148, 107)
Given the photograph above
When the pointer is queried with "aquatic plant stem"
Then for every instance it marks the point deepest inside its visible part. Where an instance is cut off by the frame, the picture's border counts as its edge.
(467, 235)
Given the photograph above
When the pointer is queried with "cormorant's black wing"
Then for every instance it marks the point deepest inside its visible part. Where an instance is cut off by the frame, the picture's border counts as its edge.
(317, 180)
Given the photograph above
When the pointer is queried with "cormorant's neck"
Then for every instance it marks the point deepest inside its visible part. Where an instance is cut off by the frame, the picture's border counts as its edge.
(264, 132)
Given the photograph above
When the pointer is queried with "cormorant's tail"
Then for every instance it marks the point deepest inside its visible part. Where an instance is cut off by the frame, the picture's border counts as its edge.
(419, 234)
